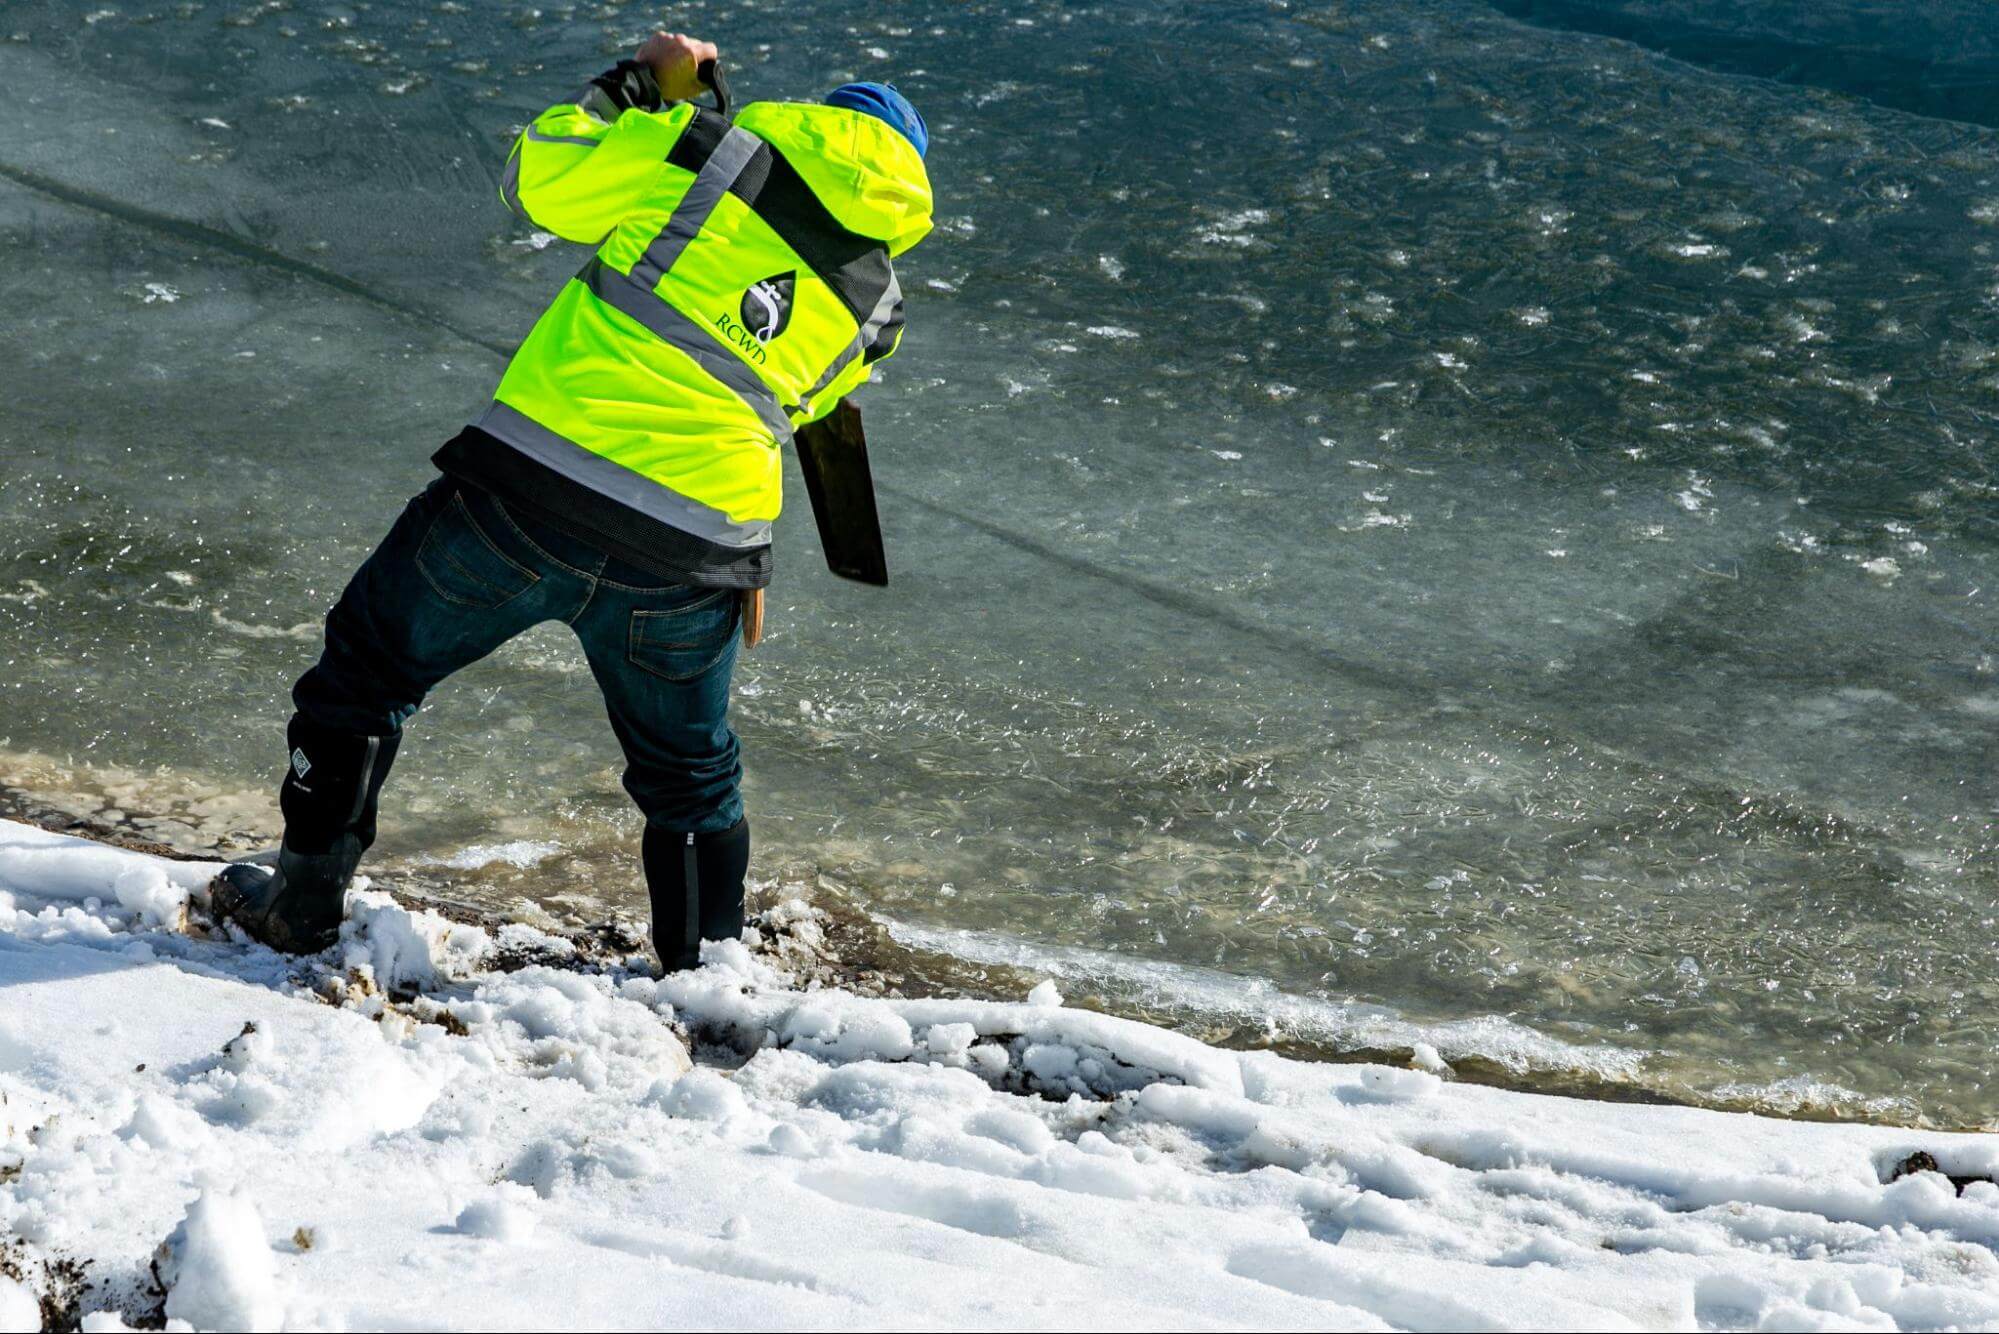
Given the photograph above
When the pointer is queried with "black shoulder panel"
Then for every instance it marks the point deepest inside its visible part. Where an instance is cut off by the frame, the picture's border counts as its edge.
(856, 267)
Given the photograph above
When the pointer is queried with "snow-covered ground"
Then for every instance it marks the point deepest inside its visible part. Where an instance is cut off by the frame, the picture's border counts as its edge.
(434, 1125)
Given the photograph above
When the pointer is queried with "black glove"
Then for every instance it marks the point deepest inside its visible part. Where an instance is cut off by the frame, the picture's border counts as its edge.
(629, 84)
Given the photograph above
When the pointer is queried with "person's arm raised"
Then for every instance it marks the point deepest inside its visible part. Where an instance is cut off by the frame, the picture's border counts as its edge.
(581, 166)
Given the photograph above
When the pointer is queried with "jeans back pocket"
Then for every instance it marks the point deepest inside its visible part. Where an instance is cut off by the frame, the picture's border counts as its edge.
(681, 643)
(463, 566)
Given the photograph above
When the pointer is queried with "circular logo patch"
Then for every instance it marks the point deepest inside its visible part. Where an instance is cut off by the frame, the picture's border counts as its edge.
(766, 308)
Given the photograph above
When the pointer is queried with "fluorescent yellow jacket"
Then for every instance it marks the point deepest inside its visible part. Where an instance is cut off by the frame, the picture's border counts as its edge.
(741, 285)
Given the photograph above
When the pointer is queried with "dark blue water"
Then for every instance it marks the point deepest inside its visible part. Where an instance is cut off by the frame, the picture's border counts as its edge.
(1938, 59)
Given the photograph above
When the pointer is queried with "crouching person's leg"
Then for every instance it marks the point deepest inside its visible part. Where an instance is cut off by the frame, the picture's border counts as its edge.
(663, 657)
(329, 800)
(435, 595)
(695, 881)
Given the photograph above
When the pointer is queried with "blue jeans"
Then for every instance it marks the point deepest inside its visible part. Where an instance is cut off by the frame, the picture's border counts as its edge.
(459, 575)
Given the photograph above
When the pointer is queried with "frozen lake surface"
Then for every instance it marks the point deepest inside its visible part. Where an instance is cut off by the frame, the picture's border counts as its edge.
(1403, 520)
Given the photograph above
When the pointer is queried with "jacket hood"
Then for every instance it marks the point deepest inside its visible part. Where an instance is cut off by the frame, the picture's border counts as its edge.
(863, 170)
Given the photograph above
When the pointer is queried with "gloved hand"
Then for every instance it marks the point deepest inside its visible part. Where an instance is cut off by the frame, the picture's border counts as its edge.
(674, 57)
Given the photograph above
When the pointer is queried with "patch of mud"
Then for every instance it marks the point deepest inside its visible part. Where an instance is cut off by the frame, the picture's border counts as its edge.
(1922, 1160)
(57, 1282)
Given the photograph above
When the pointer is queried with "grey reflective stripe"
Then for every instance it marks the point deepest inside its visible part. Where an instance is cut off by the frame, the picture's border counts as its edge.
(717, 174)
(583, 140)
(884, 311)
(665, 322)
(510, 179)
(840, 363)
(510, 182)
(885, 308)
(617, 482)
(598, 103)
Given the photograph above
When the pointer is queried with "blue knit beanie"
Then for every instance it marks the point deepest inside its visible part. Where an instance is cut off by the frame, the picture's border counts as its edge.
(881, 100)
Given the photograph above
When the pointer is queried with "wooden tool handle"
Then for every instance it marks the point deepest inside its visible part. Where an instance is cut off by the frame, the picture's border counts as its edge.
(753, 617)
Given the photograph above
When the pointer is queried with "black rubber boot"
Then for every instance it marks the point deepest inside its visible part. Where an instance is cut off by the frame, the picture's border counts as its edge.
(296, 906)
(696, 884)
(330, 796)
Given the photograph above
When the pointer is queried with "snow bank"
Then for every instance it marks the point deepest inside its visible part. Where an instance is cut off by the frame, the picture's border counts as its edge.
(376, 1135)
(54, 866)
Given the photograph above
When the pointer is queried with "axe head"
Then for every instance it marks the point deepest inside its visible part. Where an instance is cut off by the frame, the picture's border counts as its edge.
(833, 455)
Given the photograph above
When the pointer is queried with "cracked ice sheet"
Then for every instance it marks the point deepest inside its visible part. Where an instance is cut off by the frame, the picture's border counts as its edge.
(560, 1163)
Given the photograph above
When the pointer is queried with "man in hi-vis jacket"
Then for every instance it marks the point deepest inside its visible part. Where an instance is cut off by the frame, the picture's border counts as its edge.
(625, 476)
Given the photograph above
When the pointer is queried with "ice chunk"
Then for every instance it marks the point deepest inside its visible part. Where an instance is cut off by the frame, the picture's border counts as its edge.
(218, 1268)
(1381, 1083)
(1049, 1062)
(519, 853)
(699, 1095)
(949, 1041)
(164, 1125)
(507, 1215)
(791, 1142)
(144, 889)
(409, 950)
(844, 1028)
